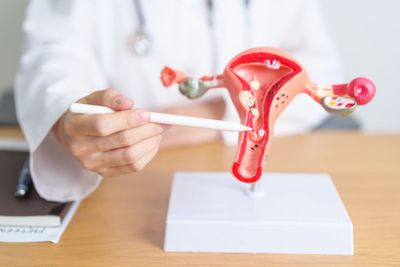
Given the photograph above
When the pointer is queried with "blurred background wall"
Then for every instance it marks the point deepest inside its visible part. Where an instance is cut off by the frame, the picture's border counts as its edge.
(11, 16)
(366, 32)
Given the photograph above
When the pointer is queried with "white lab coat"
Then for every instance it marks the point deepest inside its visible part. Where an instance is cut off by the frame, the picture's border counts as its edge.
(73, 47)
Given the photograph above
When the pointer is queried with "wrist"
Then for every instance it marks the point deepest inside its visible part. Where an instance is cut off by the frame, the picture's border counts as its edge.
(58, 130)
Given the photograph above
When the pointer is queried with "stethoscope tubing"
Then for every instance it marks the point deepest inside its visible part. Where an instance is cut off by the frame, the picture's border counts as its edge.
(142, 35)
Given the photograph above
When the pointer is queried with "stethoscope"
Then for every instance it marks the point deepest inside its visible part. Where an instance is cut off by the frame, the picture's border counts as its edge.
(142, 42)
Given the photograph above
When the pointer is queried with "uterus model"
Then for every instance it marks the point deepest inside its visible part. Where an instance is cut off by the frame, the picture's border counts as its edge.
(261, 83)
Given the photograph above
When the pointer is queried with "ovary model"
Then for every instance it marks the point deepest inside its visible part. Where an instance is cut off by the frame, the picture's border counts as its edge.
(261, 83)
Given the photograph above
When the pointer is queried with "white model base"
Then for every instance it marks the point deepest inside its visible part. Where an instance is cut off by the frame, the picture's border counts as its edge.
(292, 213)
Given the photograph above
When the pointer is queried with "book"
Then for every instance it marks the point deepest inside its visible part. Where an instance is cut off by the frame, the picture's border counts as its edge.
(22, 234)
(31, 210)
(30, 219)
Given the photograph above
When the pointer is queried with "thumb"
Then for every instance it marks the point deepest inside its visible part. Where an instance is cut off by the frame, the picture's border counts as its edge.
(108, 97)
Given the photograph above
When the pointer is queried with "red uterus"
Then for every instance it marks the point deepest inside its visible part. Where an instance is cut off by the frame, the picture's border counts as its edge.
(261, 83)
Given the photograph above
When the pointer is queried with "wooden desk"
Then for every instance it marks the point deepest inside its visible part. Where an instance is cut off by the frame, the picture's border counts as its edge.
(123, 222)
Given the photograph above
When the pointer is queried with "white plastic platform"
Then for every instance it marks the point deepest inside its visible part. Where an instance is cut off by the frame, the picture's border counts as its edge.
(297, 213)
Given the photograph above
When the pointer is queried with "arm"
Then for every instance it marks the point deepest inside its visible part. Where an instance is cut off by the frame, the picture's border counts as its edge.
(193, 88)
(59, 66)
(307, 39)
(180, 136)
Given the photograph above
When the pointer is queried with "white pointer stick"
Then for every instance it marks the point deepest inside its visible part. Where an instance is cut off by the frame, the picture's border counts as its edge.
(167, 118)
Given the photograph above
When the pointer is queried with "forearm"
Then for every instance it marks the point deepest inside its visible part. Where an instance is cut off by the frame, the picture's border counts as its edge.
(180, 136)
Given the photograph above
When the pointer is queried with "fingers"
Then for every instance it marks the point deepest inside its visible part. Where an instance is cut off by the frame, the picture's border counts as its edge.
(129, 168)
(128, 137)
(123, 156)
(89, 144)
(115, 143)
(106, 124)
(108, 97)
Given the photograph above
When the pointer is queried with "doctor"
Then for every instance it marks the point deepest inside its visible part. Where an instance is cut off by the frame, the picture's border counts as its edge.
(110, 53)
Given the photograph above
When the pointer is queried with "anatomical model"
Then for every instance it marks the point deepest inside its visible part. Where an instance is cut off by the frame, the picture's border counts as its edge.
(261, 83)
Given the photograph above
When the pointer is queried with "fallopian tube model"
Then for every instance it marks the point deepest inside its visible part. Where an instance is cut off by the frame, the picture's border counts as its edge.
(261, 83)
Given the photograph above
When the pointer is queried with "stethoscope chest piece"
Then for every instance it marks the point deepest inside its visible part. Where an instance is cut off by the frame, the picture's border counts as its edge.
(141, 43)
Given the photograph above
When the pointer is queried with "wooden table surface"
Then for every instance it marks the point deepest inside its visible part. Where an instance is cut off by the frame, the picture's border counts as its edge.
(123, 222)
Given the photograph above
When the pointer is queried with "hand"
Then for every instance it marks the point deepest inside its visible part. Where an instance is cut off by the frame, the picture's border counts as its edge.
(110, 144)
(178, 136)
